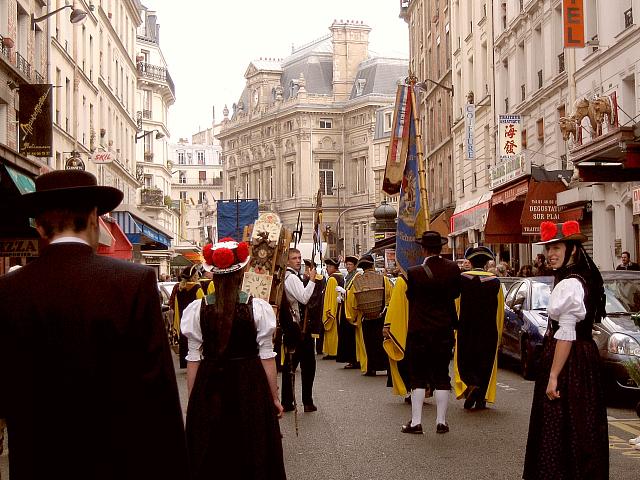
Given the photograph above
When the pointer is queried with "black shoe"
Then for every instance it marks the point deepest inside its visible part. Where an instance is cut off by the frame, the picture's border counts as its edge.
(407, 428)
(480, 405)
(288, 407)
(470, 395)
(310, 408)
(350, 366)
(329, 357)
(370, 374)
(442, 428)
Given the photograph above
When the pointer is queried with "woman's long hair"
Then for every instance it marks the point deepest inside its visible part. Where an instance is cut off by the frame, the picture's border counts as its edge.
(582, 265)
(227, 286)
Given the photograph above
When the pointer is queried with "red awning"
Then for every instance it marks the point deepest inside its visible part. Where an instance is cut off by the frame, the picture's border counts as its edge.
(540, 206)
(510, 194)
(193, 257)
(503, 224)
(572, 214)
(105, 238)
(121, 246)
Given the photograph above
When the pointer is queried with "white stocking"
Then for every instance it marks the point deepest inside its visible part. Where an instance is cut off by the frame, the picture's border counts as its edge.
(442, 402)
(417, 398)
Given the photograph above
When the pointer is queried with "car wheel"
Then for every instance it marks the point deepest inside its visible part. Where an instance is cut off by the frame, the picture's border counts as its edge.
(525, 362)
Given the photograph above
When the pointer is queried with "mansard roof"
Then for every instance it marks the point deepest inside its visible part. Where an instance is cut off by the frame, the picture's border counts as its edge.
(379, 76)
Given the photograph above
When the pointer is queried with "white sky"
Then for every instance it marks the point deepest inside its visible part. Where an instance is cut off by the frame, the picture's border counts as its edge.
(208, 44)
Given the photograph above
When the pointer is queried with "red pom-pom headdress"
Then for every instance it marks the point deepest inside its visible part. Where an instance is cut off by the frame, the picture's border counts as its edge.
(226, 256)
(551, 232)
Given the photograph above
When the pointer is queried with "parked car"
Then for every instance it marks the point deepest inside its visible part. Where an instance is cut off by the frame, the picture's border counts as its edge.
(506, 283)
(525, 321)
(618, 335)
(165, 289)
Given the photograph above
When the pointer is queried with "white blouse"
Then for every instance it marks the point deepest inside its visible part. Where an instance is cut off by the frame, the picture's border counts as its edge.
(566, 306)
(263, 316)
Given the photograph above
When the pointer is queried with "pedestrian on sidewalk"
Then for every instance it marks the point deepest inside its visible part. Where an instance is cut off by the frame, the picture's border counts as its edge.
(480, 320)
(88, 384)
(568, 431)
(232, 417)
(182, 295)
(432, 289)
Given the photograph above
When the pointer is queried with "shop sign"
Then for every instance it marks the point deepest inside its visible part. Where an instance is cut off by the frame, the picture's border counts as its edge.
(509, 169)
(19, 247)
(36, 129)
(510, 136)
(74, 162)
(472, 218)
(636, 201)
(389, 259)
(102, 157)
(540, 206)
(378, 236)
(573, 23)
(154, 260)
(469, 123)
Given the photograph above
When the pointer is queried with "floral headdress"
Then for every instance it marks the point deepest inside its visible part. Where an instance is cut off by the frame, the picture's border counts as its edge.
(225, 256)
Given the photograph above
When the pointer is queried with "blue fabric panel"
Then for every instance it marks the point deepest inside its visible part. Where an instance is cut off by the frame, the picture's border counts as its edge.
(234, 215)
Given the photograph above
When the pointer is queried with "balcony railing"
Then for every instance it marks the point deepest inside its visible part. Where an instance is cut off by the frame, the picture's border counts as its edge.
(39, 78)
(146, 114)
(156, 73)
(23, 65)
(152, 197)
(561, 63)
(5, 51)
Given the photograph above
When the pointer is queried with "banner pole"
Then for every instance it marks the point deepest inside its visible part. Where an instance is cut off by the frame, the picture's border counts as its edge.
(422, 174)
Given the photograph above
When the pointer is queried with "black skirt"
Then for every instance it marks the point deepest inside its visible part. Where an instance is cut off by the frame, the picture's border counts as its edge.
(568, 437)
(232, 428)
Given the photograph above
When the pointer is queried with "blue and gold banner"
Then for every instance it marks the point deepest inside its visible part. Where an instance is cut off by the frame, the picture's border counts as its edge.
(408, 252)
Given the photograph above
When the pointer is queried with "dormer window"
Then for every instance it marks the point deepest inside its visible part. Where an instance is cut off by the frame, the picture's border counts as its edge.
(294, 86)
(360, 83)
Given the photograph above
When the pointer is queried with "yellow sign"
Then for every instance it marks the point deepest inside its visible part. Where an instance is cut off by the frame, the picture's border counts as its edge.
(19, 247)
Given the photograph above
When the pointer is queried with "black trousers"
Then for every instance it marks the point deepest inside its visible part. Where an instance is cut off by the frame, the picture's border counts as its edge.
(183, 350)
(305, 356)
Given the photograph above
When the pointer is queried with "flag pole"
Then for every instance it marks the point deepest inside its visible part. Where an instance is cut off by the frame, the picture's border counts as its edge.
(422, 174)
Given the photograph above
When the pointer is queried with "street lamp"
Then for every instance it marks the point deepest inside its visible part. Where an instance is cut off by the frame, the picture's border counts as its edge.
(337, 189)
(77, 16)
(159, 134)
(425, 86)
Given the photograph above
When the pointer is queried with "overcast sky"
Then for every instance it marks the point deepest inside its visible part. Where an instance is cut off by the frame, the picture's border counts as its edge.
(208, 44)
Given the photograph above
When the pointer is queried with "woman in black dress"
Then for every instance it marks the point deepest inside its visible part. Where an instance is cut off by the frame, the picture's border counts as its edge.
(232, 417)
(182, 295)
(568, 432)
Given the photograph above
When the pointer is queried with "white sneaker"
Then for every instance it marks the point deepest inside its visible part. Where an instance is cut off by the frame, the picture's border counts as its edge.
(635, 441)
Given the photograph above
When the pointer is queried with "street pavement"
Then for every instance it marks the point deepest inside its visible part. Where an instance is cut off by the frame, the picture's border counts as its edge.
(355, 434)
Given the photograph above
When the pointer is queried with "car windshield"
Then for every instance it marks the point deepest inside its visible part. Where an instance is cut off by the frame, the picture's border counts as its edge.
(623, 295)
(540, 293)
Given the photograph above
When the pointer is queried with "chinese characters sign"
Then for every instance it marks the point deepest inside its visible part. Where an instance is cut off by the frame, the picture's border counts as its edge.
(510, 132)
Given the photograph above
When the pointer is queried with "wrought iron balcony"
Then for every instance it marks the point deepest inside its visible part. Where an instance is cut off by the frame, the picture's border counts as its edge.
(152, 197)
(146, 114)
(156, 73)
(39, 78)
(561, 63)
(23, 65)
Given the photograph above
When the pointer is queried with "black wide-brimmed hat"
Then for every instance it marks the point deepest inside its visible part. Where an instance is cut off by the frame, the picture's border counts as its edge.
(332, 261)
(431, 238)
(480, 251)
(365, 261)
(69, 188)
(551, 232)
(190, 271)
(351, 258)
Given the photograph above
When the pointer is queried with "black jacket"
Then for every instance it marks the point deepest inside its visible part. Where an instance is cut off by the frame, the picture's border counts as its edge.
(88, 385)
(432, 306)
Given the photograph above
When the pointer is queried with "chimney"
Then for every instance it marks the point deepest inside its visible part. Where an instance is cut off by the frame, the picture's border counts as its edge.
(350, 41)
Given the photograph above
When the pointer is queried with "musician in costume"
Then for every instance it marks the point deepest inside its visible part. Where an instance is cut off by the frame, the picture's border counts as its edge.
(314, 306)
(206, 277)
(297, 336)
(333, 300)
(367, 299)
(183, 293)
(432, 289)
(395, 337)
(480, 320)
(232, 416)
(346, 330)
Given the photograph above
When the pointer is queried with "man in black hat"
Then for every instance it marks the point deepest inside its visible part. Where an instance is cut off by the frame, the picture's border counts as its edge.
(89, 389)
(480, 319)
(367, 299)
(432, 289)
(346, 330)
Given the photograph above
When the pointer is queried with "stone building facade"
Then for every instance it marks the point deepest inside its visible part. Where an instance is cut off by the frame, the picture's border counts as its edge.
(306, 123)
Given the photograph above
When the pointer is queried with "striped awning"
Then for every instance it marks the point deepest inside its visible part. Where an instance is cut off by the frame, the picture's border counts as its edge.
(139, 232)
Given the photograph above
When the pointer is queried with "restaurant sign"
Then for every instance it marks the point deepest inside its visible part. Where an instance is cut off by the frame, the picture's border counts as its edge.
(18, 247)
(509, 169)
(540, 206)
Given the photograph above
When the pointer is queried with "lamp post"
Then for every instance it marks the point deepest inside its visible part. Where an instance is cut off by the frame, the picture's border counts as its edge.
(77, 15)
(337, 189)
(159, 134)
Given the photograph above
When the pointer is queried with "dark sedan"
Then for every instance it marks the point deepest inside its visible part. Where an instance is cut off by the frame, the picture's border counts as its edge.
(525, 321)
(618, 336)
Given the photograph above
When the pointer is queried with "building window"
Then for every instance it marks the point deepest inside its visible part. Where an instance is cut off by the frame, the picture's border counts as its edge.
(326, 177)
(182, 177)
(183, 195)
(628, 18)
(200, 155)
(270, 177)
(202, 197)
(245, 182)
(387, 121)
(292, 180)
(325, 123)
(540, 128)
(202, 176)
(181, 160)
(258, 179)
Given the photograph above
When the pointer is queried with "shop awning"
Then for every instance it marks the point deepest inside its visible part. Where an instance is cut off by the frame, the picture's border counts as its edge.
(180, 261)
(510, 194)
(540, 205)
(22, 181)
(139, 232)
(470, 214)
(381, 245)
(105, 238)
(120, 247)
(503, 224)
(193, 257)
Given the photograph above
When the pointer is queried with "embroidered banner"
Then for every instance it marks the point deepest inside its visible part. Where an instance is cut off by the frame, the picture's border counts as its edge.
(399, 142)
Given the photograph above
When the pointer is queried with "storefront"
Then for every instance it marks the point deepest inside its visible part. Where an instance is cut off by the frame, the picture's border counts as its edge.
(467, 223)
(113, 241)
(518, 208)
(150, 244)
